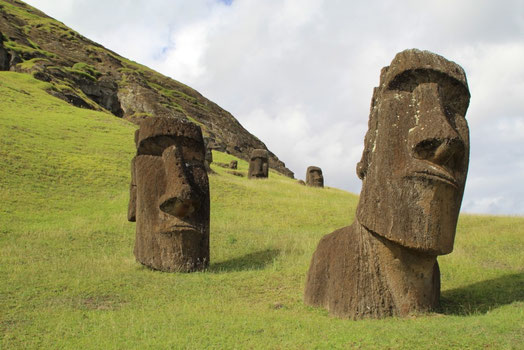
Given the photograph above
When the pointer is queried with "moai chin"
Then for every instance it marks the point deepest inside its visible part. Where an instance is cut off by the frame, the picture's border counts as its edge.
(314, 177)
(169, 196)
(258, 164)
(413, 168)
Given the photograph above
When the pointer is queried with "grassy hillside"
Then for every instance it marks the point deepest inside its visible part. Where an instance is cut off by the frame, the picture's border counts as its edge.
(69, 278)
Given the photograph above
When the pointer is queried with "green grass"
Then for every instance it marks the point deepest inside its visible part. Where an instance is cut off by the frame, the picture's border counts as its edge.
(69, 278)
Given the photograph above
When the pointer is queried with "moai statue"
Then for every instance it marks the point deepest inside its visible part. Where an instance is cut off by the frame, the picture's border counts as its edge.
(209, 156)
(233, 164)
(301, 182)
(413, 168)
(169, 196)
(258, 164)
(314, 177)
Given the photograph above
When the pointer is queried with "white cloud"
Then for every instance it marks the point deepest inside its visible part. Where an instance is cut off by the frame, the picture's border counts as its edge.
(299, 74)
(184, 60)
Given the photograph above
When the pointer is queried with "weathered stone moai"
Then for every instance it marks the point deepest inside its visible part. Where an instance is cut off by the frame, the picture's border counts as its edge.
(301, 182)
(233, 164)
(169, 196)
(413, 168)
(314, 177)
(209, 156)
(258, 164)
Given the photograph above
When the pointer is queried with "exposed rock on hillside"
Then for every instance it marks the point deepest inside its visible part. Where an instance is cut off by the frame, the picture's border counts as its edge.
(88, 75)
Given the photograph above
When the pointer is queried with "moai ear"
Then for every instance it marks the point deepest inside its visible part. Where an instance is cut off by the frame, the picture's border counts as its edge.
(131, 210)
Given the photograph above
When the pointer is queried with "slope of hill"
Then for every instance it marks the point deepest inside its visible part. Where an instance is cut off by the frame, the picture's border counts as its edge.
(69, 278)
(88, 75)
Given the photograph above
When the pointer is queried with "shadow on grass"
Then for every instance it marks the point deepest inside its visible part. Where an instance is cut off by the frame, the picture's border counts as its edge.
(252, 261)
(484, 296)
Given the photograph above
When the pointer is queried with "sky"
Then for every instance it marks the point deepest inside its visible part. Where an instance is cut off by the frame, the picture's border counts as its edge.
(299, 74)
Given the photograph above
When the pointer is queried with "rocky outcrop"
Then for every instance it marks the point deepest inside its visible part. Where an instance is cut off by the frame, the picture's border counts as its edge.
(88, 75)
(5, 57)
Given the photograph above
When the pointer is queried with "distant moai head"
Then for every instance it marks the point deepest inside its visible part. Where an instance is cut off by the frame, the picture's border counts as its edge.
(314, 177)
(170, 196)
(233, 164)
(209, 155)
(301, 182)
(258, 164)
(416, 152)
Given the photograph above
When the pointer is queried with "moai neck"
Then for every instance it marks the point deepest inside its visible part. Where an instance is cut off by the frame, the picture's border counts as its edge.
(413, 278)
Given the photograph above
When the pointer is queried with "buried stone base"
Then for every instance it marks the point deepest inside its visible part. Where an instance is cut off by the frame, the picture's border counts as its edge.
(357, 274)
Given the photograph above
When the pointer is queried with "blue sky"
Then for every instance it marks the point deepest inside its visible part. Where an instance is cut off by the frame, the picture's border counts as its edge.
(299, 74)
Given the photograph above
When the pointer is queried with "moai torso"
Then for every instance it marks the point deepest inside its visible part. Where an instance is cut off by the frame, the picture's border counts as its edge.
(169, 197)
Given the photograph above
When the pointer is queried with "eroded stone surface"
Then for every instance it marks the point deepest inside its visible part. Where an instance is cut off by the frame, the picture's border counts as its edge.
(258, 164)
(413, 168)
(233, 164)
(169, 196)
(314, 177)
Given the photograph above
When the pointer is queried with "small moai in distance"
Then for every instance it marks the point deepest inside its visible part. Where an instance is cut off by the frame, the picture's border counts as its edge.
(413, 168)
(233, 164)
(209, 156)
(301, 182)
(314, 177)
(169, 196)
(258, 164)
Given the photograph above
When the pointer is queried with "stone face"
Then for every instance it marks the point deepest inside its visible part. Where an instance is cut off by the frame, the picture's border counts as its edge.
(258, 164)
(314, 177)
(233, 164)
(169, 196)
(413, 168)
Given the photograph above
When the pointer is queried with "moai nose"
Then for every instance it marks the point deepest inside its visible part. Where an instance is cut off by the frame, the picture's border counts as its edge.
(178, 199)
(433, 138)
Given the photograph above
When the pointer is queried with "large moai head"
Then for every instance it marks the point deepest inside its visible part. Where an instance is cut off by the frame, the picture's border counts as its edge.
(258, 164)
(314, 177)
(416, 153)
(170, 196)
